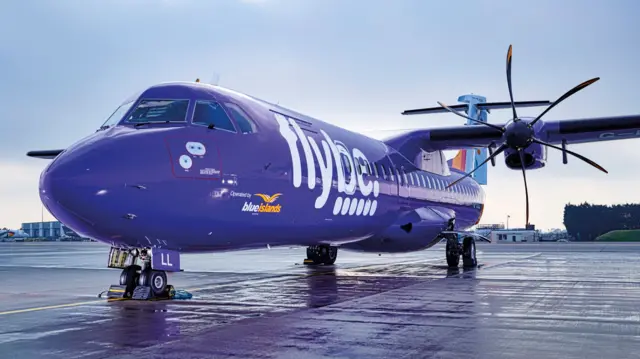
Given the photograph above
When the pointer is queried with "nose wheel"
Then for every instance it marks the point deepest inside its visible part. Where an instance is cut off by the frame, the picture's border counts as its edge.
(156, 280)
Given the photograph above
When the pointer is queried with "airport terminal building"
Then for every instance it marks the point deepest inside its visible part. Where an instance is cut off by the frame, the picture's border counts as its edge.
(53, 229)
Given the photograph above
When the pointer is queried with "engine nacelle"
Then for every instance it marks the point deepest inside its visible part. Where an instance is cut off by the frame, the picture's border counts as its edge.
(535, 156)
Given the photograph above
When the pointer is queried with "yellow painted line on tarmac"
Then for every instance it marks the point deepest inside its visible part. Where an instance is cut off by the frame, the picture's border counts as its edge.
(35, 309)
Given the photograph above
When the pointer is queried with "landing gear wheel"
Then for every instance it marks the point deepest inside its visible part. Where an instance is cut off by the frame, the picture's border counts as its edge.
(129, 278)
(322, 255)
(156, 280)
(469, 252)
(453, 252)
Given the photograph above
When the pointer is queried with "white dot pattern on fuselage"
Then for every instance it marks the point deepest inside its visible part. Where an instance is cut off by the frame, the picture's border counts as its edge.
(337, 206)
(360, 207)
(354, 206)
(345, 206)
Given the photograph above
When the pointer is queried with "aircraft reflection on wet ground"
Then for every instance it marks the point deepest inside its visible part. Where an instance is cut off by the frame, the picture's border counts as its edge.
(577, 299)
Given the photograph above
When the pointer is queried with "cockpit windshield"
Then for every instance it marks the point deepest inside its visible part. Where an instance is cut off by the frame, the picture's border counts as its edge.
(116, 116)
(155, 111)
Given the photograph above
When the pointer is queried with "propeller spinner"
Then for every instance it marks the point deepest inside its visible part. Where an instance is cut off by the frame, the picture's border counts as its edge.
(520, 134)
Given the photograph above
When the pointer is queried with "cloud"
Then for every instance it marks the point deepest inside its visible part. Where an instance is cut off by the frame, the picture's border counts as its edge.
(351, 65)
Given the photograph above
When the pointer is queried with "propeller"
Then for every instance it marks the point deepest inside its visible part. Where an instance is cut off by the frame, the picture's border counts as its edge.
(518, 134)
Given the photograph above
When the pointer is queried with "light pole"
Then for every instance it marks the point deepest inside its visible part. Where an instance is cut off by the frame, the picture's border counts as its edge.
(508, 216)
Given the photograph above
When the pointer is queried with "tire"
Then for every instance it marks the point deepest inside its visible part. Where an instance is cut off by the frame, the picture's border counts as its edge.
(469, 252)
(158, 282)
(322, 254)
(331, 256)
(129, 278)
(452, 253)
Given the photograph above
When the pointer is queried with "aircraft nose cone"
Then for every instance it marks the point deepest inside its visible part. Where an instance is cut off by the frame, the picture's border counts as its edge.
(61, 189)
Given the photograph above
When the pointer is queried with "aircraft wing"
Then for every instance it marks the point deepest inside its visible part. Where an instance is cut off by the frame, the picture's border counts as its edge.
(46, 154)
(554, 132)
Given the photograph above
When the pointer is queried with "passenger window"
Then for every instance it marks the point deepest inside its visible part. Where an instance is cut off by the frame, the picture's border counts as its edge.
(164, 111)
(383, 172)
(242, 119)
(404, 177)
(411, 178)
(211, 114)
(375, 169)
(398, 174)
(424, 184)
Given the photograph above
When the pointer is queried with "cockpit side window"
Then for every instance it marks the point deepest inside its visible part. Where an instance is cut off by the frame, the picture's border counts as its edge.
(212, 115)
(242, 119)
(165, 111)
(117, 115)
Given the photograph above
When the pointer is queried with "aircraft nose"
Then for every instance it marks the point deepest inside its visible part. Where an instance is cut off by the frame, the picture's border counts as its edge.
(62, 191)
(100, 186)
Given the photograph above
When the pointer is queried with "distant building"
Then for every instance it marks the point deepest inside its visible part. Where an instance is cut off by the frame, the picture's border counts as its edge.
(513, 235)
(52, 229)
(490, 226)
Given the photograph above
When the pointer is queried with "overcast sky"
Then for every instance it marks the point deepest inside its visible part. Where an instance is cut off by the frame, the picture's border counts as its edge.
(65, 65)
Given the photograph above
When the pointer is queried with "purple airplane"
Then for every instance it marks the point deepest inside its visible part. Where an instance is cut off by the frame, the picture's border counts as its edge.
(188, 167)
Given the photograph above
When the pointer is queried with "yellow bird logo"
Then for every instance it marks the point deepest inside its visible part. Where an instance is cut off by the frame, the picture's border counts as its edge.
(267, 198)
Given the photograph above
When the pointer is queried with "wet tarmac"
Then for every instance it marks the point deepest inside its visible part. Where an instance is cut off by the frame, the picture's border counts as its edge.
(555, 300)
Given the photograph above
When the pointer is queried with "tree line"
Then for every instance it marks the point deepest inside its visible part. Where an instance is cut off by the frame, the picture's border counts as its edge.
(585, 222)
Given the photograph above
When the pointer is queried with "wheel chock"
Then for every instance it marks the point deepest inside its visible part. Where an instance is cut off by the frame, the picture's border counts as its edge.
(116, 292)
(142, 293)
(307, 261)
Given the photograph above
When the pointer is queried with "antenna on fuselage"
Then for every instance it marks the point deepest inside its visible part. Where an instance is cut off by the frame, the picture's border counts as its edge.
(215, 79)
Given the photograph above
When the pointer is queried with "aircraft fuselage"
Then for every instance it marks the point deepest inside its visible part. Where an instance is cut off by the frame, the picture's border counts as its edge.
(292, 180)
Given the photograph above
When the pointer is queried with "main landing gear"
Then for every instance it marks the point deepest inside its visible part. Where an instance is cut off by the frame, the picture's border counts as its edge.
(466, 249)
(321, 254)
(143, 276)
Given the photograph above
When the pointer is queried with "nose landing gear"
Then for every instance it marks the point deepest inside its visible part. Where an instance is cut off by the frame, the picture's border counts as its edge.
(139, 279)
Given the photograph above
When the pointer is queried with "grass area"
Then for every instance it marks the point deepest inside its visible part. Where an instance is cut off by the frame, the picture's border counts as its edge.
(620, 236)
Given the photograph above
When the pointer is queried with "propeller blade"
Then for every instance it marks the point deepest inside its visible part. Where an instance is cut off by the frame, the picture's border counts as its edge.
(469, 118)
(524, 175)
(513, 106)
(490, 148)
(565, 96)
(494, 155)
(571, 153)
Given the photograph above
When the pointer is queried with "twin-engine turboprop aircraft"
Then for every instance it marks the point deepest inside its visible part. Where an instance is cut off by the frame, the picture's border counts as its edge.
(190, 167)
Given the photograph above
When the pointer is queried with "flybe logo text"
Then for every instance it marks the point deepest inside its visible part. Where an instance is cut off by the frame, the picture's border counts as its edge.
(334, 154)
